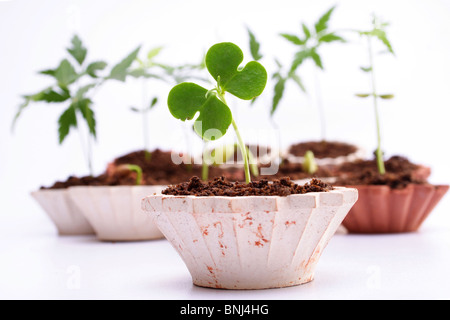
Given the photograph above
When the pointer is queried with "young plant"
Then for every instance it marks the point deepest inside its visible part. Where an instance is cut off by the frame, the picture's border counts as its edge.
(378, 32)
(187, 100)
(308, 44)
(133, 168)
(74, 82)
(142, 70)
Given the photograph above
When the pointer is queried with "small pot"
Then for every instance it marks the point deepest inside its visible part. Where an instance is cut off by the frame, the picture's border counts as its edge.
(66, 216)
(381, 209)
(357, 155)
(253, 242)
(115, 212)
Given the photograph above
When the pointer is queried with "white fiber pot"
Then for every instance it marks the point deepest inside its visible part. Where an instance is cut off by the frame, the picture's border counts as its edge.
(357, 155)
(66, 216)
(115, 211)
(251, 242)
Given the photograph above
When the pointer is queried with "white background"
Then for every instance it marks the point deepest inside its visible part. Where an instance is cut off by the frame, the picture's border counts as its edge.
(35, 33)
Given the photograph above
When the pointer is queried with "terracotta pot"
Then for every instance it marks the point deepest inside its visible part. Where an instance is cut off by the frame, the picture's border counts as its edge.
(381, 209)
(251, 242)
(115, 211)
(66, 216)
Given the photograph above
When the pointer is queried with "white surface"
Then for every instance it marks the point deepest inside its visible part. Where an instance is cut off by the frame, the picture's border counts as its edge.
(37, 264)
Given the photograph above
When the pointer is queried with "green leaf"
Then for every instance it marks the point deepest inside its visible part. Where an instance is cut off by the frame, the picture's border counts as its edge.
(153, 102)
(84, 106)
(278, 94)
(299, 58)
(77, 50)
(331, 37)
(48, 72)
(142, 73)
(315, 56)
(306, 31)
(254, 46)
(94, 67)
(65, 74)
(83, 90)
(368, 69)
(134, 109)
(322, 23)
(48, 95)
(293, 38)
(187, 99)
(223, 60)
(66, 121)
(363, 95)
(120, 71)
(298, 81)
(249, 82)
(153, 53)
(381, 35)
(309, 164)
(386, 96)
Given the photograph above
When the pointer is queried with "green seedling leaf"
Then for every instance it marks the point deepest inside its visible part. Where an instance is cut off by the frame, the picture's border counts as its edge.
(94, 67)
(306, 31)
(293, 38)
(48, 72)
(315, 56)
(322, 23)
(153, 53)
(187, 99)
(84, 107)
(254, 46)
(363, 95)
(309, 163)
(77, 51)
(299, 58)
(386, 96)
(297, 80)
(381, 35)
(65, 74)
(330, 37)
(120, 71)
(368, 69)
(153, 102)
(278, 94)
(223, 61)
(67, 120)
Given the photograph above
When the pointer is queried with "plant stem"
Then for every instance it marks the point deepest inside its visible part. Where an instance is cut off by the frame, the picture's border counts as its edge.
(243, 152)
(205, 167)
(240, 141)
(379, 152)
(148, 154)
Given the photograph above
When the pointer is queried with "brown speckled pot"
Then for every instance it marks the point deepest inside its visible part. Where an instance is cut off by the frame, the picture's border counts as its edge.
(381, 209)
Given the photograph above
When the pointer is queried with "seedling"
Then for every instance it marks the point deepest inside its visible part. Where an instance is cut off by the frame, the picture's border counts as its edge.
(309, 44)
(187, 100)
(75, 96)
(134, 168)
(309, 164)
(143, 71)
(377, 32)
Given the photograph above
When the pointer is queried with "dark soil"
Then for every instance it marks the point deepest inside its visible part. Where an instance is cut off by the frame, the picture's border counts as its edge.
(399, 173)
(159, 170)
(323, 149)
(221, 187)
